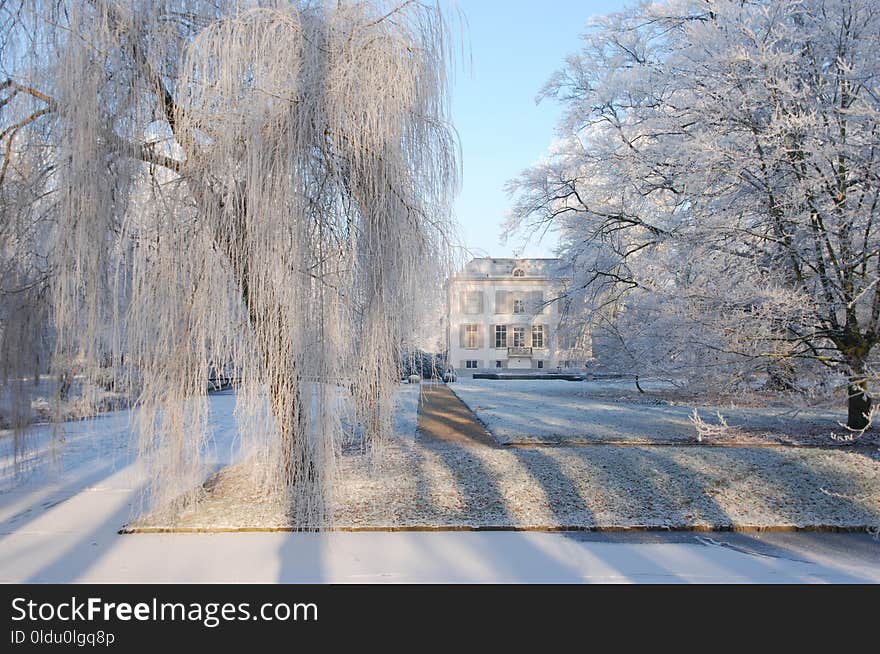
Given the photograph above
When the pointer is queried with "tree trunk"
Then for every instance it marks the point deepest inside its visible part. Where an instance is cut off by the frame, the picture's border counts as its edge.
(287, 407)
(859, 408)
(66, 381)
(276, 351)
(286, 418)
(859, 402)
(282, 375)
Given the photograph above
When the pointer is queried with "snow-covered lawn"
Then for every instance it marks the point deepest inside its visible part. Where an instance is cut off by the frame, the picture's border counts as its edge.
(430, 485)
(39, 403)
(55, 454)
(417, 483)
(59, 524)
(551, 411)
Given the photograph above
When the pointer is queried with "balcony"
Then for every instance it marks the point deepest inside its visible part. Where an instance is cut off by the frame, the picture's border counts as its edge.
(519, 352)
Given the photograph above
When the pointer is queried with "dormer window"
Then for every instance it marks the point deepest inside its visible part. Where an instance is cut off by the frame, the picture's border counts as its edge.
(519, 272)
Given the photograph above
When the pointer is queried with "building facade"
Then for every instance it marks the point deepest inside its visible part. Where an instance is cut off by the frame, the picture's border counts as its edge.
(502, 315)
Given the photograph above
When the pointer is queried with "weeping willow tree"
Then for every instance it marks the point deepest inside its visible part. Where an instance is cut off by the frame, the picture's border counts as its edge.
(260, 189)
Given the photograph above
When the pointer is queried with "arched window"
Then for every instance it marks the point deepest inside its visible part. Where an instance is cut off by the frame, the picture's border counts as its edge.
(519, 272)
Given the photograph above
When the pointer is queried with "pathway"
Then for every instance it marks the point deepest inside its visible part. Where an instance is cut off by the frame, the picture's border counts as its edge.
(445, 418)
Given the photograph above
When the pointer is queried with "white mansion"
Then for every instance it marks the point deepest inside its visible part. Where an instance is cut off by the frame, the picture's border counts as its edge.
(502, 315)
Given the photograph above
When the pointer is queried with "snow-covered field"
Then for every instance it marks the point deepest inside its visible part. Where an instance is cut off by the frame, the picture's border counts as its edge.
(417, 483)
(39, 403)
(54, 454)
(558, 412)
(59, 519)
(431, 485)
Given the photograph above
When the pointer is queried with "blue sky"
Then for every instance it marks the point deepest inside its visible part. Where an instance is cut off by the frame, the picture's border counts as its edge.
(515, 46)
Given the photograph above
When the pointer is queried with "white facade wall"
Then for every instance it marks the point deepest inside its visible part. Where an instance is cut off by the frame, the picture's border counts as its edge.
(489, 294)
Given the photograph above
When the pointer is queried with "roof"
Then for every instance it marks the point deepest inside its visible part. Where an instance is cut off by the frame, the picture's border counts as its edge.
(491, 267)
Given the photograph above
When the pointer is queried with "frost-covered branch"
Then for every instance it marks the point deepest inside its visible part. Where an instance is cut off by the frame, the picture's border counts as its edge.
(263, 189)
(723, 189)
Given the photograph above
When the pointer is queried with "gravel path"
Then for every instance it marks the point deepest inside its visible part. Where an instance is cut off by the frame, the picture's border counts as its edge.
(444, 418)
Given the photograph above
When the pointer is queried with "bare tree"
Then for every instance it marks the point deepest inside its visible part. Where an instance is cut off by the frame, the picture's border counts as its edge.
(719, 160)
(25, 267)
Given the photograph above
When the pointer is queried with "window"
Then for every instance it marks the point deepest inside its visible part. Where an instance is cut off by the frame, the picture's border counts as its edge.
(499, 364)
(538, 336)
(519, 337)
(519, 306)
(471, 337)
(519, 272)
(473, 303)
(540, 365)
(500, 336)
(471, 365)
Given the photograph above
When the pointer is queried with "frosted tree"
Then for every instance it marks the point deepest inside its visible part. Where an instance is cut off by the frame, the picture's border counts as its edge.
(254, 188)
(717, 169)
(25, 225)
(25, 297)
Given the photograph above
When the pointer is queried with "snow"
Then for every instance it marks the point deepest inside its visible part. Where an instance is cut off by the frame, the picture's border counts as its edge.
(406, 409)
(67, 532)
(59, 521)
(78, 543)
(53, 454)
(41, 460)
(85, 399)
(417, 483)
(605, 486)
(551, 411)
